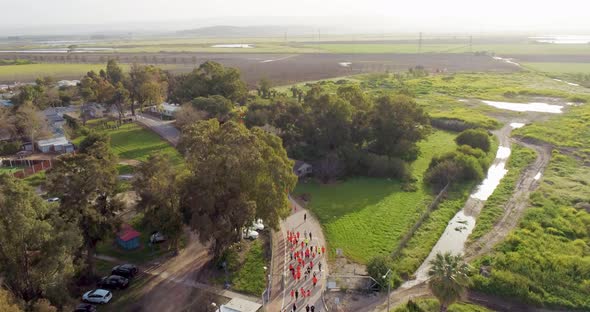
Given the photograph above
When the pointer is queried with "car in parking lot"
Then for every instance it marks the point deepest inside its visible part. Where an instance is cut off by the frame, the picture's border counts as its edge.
(125, 270)
(258, 225)
(113, 282)
(85, 307)
(100, 296)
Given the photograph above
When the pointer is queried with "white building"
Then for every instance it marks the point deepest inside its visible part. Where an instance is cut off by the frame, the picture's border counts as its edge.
(57, 144)
(239, 305)
(166, 109)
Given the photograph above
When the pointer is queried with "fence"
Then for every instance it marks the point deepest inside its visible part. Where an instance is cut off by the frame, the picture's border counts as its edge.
(418, 223)
(27, 167)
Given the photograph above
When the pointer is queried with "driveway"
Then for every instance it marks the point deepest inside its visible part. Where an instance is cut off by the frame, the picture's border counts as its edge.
(164, 128)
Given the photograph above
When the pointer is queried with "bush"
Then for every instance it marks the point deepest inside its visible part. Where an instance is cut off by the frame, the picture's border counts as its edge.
(378, 267)
(383, 167)
(442, 173)
(9, 148)
(477, 138)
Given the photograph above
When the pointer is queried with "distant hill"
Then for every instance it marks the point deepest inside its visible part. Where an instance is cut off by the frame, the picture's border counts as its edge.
(249, 31)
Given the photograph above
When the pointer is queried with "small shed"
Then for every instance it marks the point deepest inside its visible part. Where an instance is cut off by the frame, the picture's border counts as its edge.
(128, 237)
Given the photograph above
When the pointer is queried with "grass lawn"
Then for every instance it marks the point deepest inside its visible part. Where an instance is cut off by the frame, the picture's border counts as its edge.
(520, 158)
(10, 170)
(251, 277)
(366, 217)
(143, 254)
(131, 141)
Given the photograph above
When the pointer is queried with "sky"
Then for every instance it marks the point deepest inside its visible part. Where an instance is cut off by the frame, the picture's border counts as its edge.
(455, 15)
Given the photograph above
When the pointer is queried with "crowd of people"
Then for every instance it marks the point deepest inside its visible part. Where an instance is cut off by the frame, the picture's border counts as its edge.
(305, 267)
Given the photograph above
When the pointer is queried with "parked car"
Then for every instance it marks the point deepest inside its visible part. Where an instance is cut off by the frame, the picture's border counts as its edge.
(100, 296)
(53, 200)
(250, 233)
(157, 237)
(125, 270)
(258, 225)
(85, 307)
(113, 282)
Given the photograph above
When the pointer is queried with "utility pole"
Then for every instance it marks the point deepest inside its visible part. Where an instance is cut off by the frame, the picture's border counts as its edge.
(420, 43)
(471, 44)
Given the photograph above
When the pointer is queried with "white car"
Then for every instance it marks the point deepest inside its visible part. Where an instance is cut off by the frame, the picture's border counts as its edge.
(157, 237)
(97, 296)
(53, 199)
(250, 233)
(258, 225)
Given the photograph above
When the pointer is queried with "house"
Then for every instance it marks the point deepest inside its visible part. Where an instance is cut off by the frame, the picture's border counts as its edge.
(92, 110)
(58, 144)
(302, 169)
(239, 305)
(166, 109)
(128, 237)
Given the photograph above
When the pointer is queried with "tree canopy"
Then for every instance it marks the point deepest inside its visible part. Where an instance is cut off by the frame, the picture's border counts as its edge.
(236, 175)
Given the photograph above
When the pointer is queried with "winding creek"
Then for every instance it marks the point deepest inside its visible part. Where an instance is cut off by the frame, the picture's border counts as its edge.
(462, 224)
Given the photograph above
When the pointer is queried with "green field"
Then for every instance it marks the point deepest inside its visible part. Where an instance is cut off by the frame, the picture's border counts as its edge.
(559, 68)
(33, 71)
(520, 158)
(131, 141)
(431, 305)
(367, 217)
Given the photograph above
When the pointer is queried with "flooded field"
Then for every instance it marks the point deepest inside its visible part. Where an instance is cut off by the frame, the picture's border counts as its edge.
(527, 107)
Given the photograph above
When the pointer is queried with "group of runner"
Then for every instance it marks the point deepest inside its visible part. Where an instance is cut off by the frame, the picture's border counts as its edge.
(304, 263)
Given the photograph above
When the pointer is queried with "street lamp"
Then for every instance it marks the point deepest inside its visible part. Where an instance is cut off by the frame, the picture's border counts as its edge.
(388, 287)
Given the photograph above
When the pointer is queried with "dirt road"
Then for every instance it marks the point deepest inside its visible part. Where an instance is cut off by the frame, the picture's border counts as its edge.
(164, 128)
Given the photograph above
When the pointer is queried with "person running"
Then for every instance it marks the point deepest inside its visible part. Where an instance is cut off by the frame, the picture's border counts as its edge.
(304, 217)
(323, 250)
(307, 308)
(295, 307)
(320, 266)
(292, 294)
(296, 294)
(309, 293)
(314, 281)
(312, 308)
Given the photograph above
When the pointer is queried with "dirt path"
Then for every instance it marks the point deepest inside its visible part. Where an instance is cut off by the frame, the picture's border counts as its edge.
(280, 296)
(515, 206)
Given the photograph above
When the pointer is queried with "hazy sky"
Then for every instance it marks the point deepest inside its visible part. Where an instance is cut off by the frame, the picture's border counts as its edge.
(473, 14)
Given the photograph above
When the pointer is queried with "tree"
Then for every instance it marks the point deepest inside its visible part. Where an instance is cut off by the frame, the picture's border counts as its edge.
(7, 302)
(31, 122)
(146, 84)
(36, 244)
(86, 183)
(156, 184)
(448, 278)
(119, 100)
(264, 87)
(188, 115)
(216, 106)
(235, 176)
(114, 72)
(8, 121)
(378, 267)
(398, 124)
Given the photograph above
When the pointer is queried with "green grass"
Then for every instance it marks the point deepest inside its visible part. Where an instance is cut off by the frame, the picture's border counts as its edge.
(143, 254)
(10, 170)
(33, 71)
(36, 179)
(367, 217)
(251, 277)
(560, 67)
(431, 305)
(520, 158)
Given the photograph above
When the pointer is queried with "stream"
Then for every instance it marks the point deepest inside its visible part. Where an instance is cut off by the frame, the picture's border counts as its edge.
(462, 224)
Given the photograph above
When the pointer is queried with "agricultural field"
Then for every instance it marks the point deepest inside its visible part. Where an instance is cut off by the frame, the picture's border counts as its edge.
(559, 68)
(432, 305)
(367, 217)
(29, 72)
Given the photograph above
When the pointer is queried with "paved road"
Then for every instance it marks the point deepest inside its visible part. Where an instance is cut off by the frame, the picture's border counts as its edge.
(281, 297)
(164, 128)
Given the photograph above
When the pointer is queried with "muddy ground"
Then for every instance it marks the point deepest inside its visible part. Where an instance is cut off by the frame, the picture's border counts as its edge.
(285, 69)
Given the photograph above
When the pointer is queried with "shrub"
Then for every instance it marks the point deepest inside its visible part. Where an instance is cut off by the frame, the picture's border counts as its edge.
(9, 148)
(442, 173)
(477, 138)
(378, 267)
(384, 167)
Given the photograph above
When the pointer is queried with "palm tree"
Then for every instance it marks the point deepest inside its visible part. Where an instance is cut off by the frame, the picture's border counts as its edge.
(449, 277)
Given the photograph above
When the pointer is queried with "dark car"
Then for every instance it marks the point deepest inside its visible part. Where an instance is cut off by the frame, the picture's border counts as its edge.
(113, 282)
(85, 307)
(125, 270)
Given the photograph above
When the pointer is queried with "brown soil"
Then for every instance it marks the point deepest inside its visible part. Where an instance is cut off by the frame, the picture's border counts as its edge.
(299, 67)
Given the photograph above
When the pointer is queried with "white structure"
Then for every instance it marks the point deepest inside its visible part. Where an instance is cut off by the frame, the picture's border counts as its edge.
(302, 168)
(166, 109)
(239, 305)
(58, 144)
(68, 83)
